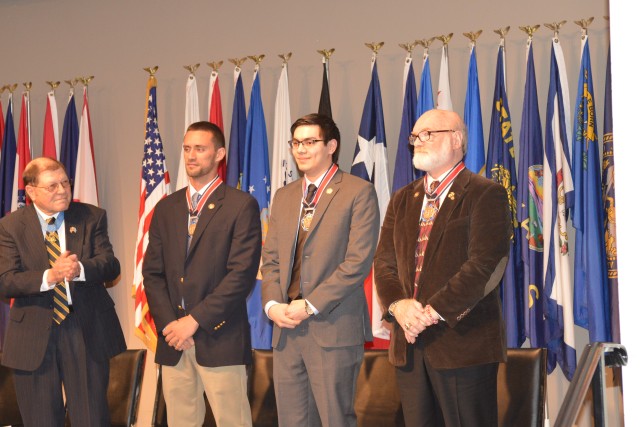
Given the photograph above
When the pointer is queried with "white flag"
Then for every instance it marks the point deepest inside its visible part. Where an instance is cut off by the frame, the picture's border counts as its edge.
(191, 115)
(283, 167)
(444, 89)
(85, 187)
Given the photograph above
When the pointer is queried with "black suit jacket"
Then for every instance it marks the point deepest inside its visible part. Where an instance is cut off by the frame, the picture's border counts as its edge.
(214, 279)
(22, 264)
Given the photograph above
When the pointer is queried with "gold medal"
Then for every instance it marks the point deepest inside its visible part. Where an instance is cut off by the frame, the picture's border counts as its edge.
(192, 228)
(306, 220)
(429, 213)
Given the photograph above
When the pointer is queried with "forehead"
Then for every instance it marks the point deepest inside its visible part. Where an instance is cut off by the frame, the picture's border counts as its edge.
(52, 176)
(198, 137)
(307, 131)
(433, 120)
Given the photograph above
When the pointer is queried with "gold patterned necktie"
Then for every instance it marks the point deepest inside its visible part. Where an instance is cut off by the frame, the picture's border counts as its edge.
(60, 301)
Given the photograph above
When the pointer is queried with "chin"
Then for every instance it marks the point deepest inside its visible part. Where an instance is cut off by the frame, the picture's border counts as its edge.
(422, 162)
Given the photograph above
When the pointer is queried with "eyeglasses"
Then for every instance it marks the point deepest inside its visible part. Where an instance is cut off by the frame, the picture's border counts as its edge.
(54, 187)
(308, 143)
(425, 135)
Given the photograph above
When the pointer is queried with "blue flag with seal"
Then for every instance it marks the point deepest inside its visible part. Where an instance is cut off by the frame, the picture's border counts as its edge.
(501, 168)
(404, 172)
(529, 204)
(256, 181)
(235, 154)
(474, 159)
(609, 197)
(590, 292)
(558, 199)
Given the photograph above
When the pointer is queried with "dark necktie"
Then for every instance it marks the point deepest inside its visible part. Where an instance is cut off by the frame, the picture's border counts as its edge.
(426, 224)
(60, 301)
(305, 221)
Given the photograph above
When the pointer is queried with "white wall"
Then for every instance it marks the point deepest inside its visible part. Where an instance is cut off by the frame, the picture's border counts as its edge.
(113, 40)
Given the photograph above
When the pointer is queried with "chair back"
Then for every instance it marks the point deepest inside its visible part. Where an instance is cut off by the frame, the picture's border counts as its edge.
(125, 381)
(377, 401)
(522, 385)
(262, 395)
(9, 411)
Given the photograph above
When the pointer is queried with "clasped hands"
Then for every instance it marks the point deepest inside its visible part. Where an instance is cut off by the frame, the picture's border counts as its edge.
(414, 318)
(179, 333)
(288, 315)
(66, 266)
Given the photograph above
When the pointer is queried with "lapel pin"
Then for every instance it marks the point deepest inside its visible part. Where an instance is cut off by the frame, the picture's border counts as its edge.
(416, 194)
(451, 195)
(72, 230)
(211, 205)
(329, 190)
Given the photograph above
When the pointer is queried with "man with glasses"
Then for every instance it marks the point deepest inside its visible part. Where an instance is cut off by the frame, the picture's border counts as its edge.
(443, 249)
(55, 257)
(317, 254)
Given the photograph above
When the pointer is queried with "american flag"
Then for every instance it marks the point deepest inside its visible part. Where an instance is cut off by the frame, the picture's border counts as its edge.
(154, 186)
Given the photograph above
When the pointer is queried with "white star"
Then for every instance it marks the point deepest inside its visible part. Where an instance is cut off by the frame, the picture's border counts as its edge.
(251, 189)
(365, 155)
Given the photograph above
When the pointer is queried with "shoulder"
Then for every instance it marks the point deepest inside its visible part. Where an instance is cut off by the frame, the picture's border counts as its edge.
(480, 184)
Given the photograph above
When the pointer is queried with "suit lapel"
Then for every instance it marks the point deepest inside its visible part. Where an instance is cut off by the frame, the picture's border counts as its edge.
(179, 218)
(414, 207)
(34, 236)
(73, 230)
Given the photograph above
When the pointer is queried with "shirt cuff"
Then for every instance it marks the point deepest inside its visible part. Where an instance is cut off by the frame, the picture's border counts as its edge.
(81, 277)
(315, 310)
(267, 306)
(45, 286)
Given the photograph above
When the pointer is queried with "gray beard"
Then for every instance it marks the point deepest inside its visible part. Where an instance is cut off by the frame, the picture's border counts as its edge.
(422, 162)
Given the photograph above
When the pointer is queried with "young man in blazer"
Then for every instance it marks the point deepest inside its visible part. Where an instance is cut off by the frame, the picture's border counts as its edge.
(55, 257)
(443, 249)
(318, 252)
(200, 265)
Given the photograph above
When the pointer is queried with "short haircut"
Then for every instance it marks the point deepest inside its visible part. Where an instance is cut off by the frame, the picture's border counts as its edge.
(38, 165)
(327, 127)
(214, 130)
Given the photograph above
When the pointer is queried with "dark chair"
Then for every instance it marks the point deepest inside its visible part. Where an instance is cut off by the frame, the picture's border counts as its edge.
(262, 397)
(9, 411)
(125, 381)
(522, 385)
(377, 400)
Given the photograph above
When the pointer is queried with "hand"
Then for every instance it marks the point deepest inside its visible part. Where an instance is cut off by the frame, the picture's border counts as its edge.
(278, 313)
(411, 316)
(181, 331)
(65, 267)
(297, 310)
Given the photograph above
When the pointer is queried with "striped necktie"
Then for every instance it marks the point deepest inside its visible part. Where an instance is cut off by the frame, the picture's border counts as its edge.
(427, 218)
(60, 301)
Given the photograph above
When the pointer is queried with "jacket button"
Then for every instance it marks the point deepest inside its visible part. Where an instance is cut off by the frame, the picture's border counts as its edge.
(182, 280)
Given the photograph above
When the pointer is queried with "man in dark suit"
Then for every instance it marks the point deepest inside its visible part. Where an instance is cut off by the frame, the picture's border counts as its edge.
(443, 249)
(200, 265)
(318, 252)
(55, 256)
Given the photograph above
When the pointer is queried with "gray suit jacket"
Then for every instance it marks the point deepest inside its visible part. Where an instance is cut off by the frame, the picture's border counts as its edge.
(22, 264)
(337, 257)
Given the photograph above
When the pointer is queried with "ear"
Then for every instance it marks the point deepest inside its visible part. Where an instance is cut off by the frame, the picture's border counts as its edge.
(30, 191)
(457, 140)
(333, 146)
(220, 154)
